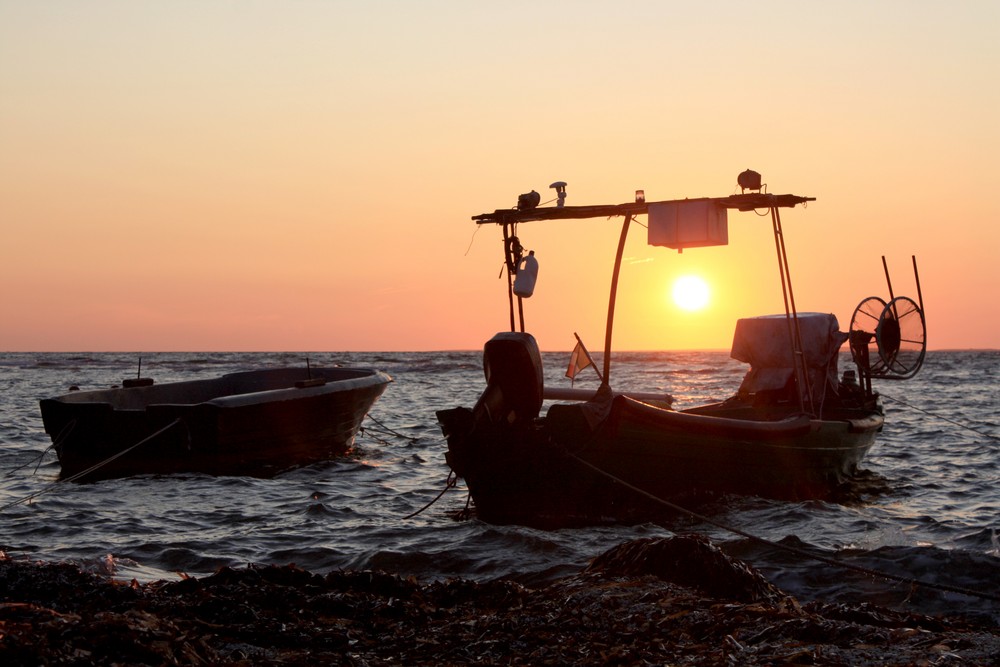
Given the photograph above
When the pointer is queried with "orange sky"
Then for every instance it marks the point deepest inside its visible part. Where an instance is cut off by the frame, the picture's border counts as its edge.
(301, 176)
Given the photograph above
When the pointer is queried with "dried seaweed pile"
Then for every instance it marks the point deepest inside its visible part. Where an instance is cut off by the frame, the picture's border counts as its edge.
(677, 601)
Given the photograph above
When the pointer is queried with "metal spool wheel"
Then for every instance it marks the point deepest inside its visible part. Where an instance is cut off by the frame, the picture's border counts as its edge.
(898, 331)
(901, 336)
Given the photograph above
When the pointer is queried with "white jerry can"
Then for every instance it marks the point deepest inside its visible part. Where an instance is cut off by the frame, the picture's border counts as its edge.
(527, 274)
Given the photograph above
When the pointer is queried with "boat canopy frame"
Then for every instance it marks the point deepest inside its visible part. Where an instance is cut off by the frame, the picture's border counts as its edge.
(752, 201)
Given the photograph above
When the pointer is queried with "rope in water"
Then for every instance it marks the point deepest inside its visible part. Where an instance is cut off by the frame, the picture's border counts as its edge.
(97, 466)
(36, 461)
(795, 550)
(449, 483)
(942, 417)
(63, 435)
(384, 430)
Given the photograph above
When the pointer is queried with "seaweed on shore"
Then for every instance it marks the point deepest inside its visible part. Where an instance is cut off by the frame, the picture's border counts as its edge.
(665, 601)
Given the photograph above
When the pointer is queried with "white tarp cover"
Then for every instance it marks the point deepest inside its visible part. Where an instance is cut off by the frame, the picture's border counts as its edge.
(764, 343)
(694, 223)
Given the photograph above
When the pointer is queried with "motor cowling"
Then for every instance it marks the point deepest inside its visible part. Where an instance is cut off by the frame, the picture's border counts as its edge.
(514, 383)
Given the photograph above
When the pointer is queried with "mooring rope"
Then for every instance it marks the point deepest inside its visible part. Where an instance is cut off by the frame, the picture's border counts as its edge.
(386, 429)
(73, 478)
(942, 417)
(795, 550)
(63, 434)
(449, 483)
(37, 460)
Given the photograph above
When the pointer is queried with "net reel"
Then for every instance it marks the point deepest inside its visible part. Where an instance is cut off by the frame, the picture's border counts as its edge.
(896, 329)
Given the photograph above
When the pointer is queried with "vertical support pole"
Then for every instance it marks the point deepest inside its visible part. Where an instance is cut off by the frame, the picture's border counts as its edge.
(792, 317)
(611, 302)
(510, 285)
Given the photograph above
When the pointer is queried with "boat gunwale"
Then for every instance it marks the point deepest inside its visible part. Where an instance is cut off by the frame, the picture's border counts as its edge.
(868, 419)
(226, 396)
(791, 426)
(377, 378)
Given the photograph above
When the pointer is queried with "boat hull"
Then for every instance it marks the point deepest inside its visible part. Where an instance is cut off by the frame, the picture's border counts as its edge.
(561, 471)
(250, 423)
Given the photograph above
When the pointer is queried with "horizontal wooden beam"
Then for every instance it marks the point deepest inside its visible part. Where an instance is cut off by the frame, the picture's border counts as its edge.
(743, 202)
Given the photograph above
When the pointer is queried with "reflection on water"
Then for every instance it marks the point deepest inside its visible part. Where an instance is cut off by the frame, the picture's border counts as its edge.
(930, 510)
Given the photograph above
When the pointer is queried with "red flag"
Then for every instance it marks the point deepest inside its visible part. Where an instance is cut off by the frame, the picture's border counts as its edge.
(578, 360)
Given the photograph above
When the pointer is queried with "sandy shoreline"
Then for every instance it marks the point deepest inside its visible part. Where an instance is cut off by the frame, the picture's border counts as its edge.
(666, 601)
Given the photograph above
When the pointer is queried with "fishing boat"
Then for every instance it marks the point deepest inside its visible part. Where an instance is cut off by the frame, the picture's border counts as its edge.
(257, 422)
(794, 429)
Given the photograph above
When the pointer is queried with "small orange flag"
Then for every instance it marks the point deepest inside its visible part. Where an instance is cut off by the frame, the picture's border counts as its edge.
(578, 360)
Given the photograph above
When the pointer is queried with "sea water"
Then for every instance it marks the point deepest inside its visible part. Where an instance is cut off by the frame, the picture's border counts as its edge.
(929, 510)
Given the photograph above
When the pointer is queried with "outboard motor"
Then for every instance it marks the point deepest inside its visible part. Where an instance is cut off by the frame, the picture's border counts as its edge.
(514, 384)
(511, 402)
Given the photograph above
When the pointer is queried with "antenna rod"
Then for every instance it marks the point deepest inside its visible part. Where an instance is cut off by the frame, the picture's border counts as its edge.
(920, 296)
(885, 267)
(892, 297)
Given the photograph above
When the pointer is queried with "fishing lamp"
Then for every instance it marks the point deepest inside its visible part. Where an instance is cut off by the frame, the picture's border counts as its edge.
(749, 180)
(528, 201)
(560, 188)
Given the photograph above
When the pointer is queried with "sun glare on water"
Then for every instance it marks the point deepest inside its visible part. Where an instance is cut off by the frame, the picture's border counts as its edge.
(690, 293)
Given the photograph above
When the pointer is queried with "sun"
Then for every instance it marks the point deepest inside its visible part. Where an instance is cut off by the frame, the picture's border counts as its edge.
(690, 293)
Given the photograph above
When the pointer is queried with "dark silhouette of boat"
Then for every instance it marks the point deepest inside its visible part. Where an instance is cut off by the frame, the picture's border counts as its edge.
(249, 423)
(795, 428)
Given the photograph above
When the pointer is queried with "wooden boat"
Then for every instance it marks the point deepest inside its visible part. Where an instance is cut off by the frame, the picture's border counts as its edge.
(250, 423)
(794, 429)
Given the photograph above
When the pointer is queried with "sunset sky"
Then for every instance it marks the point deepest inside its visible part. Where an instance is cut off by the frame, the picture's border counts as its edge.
(291, 176)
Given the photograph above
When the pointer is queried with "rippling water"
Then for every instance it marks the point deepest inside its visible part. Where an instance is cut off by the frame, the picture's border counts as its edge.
(931, 512)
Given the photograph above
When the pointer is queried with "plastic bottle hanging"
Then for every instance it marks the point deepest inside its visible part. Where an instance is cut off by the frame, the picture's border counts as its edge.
(527, 274)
